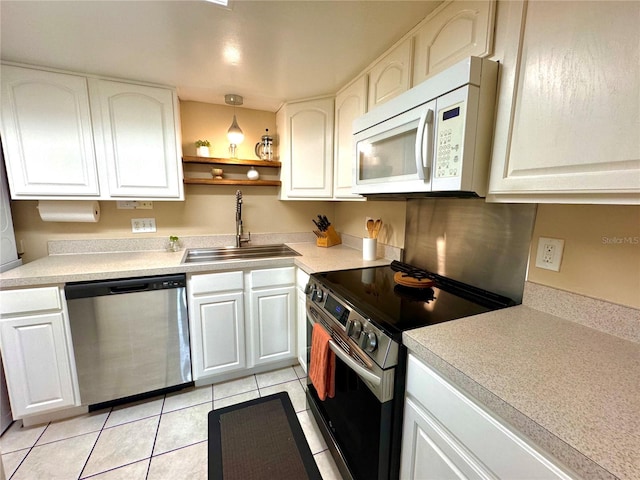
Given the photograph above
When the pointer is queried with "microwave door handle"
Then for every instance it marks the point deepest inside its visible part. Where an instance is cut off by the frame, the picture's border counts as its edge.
(423, 149)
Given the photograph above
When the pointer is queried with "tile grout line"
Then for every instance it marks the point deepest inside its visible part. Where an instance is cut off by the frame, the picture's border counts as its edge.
(95, 443)
(155, 438)
(30, 448)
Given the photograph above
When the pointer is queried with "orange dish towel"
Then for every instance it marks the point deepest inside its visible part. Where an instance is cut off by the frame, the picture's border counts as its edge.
(322, 370)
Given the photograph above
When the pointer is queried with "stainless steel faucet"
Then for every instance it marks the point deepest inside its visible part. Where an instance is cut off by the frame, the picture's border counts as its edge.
(239, 239)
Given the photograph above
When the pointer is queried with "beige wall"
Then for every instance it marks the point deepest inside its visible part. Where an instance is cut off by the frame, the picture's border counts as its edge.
(592, 263)
(350, 219)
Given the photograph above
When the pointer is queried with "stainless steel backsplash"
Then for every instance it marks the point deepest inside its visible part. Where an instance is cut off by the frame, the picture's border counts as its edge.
(482, 244)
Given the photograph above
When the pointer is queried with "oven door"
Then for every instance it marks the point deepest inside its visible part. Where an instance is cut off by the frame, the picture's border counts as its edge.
(355, 422)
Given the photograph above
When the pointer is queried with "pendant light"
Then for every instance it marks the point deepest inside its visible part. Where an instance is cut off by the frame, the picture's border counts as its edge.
(234, 134)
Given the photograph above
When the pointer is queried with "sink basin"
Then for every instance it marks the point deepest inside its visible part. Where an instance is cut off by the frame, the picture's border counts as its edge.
(217, 254)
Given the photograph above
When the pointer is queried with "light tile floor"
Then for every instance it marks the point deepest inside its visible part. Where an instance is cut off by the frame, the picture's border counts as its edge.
(156, 439)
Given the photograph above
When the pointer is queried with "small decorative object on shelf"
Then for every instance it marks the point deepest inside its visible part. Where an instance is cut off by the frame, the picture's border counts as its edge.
(202, 148)
(174, 244)
(253, 174)
(216, 173)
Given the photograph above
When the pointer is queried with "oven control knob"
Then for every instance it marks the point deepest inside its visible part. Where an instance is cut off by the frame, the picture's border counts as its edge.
(317, 295)
(369, 342)
(308, 289)
(354, 328)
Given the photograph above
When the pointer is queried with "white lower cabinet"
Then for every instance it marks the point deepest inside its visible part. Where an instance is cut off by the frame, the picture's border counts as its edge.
(240, 320)
(447, 435)
(216, 323)
(218, 334)
(37, 351)
(302, 278)
(272, 315)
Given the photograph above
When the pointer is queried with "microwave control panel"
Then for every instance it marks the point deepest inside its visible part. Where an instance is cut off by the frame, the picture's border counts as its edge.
(449, 141)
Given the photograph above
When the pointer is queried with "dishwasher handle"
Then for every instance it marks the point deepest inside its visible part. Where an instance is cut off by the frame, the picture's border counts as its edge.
(139, 287)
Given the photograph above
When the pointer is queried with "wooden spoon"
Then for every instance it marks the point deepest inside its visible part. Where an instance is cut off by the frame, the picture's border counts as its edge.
(377, 227)
(370, 227)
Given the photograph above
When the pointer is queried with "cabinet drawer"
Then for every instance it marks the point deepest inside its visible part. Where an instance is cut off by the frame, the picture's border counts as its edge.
(273, 277)
(501, 450)
(29, 300)
(215, 282)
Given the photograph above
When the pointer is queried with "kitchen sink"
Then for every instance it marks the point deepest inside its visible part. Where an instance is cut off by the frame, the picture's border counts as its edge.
(217, 254)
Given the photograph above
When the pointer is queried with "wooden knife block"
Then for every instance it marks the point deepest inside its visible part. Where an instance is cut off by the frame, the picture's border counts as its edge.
(330, 239)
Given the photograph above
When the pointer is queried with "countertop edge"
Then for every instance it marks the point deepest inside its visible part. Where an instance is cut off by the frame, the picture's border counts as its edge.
(44, 271)
(547, 442)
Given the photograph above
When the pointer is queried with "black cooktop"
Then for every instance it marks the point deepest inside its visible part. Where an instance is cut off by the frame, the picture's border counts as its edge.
(396, 308)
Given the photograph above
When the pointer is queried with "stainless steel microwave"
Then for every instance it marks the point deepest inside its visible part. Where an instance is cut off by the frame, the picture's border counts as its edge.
(432, 139)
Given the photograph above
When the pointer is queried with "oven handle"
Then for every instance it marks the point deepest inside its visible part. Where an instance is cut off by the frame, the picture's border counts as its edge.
(355, 366)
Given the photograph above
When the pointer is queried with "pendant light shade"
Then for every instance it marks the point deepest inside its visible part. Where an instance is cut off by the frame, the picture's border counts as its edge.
(234, 134)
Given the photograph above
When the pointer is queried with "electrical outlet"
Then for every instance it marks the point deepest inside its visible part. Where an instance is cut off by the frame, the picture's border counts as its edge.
(549, 253)
(143, 225)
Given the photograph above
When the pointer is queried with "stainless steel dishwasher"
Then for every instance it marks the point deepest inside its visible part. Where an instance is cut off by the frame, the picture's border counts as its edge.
(130, 336)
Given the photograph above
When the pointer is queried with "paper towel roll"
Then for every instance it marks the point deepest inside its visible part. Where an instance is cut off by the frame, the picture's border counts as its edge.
(69, 210)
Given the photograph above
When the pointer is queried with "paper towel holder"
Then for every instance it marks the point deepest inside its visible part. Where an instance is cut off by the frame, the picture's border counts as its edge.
(82, 211)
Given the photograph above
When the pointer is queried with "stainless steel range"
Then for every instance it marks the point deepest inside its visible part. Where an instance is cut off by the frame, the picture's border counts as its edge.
(472, 258)
(365, 311)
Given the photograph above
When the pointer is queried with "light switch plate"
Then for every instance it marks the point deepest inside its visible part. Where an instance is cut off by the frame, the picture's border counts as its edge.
(549, 255)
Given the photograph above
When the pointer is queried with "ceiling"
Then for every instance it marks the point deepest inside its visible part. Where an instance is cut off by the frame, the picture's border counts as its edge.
(267, 51)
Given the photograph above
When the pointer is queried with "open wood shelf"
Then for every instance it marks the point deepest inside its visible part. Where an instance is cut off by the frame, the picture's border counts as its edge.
(232, 181)
(231, 161)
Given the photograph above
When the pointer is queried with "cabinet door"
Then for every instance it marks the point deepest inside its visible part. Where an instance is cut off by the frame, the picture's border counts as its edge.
(391, 75)
(217, 334)
(302, 279)
(568, 111)
(47, 134)
(305, 132)
(272, 324)
(136, 134)
(427, 453)
(458, 30)
(350, 104)
(37, 361)
(454, 432)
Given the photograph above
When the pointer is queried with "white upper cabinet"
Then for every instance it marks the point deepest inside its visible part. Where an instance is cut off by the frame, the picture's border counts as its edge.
(47, 134)
(71, 136)
(391, 75)
(136, 135)
(351, 102)
(457, 30)
(568, 115)
(305, 131)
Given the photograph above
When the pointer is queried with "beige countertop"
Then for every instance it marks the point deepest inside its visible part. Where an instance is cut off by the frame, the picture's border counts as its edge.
(64, 268)
(573, 390)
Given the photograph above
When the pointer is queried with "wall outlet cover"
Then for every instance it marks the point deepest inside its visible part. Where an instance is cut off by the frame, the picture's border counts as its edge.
(143, 225)
(549, 254)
